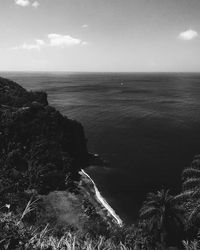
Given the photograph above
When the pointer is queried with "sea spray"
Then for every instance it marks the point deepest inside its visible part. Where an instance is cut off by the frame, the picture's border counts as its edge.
(102, 200)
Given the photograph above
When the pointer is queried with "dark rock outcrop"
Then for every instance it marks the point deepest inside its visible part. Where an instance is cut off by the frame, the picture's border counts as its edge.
(40, 149)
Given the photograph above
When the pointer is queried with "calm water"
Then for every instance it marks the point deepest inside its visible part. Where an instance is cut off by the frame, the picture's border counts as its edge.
(147, 126)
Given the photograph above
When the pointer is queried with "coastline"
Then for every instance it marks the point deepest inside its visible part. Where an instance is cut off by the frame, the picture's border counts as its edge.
(101, 200)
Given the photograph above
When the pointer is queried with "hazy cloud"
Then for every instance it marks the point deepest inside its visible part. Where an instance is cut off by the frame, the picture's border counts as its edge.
(53, 40)
(85, 26)
(22, 3)
(188, 35)
(35, 4)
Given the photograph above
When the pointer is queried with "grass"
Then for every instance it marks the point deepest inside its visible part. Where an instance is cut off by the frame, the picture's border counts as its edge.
(16, 234)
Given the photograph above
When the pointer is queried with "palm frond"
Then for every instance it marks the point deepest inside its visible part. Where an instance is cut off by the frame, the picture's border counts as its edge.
(191, 183)
(147, 212)
(194, 213)
(196, 163)
(183, 196)
(191, 173)
(196, 193)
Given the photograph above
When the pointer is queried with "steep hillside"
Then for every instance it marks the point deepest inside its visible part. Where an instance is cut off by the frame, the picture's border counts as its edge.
(40, 149)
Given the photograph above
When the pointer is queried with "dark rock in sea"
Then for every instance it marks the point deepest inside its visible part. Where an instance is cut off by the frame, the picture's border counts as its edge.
(96, 160)
(40, 149)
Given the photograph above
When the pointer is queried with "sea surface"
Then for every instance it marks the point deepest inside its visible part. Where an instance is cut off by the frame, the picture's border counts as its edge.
(145, 125)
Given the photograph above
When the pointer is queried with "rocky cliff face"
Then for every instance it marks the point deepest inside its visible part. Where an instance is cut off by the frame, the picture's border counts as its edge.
(40, 149)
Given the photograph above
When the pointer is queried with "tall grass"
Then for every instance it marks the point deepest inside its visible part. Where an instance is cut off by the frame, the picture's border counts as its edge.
(69, 241)
(17, 234)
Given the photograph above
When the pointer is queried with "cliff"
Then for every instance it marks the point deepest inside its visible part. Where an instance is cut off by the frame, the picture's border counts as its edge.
(40, 149)
(42, 157)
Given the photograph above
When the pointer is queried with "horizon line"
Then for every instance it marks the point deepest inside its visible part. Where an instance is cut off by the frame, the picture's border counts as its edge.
(76, 71)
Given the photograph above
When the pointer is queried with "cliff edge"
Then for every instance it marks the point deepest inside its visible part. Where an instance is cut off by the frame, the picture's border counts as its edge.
(40, 149)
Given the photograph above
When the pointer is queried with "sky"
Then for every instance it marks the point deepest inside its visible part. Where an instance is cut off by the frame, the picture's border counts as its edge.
(100, 35)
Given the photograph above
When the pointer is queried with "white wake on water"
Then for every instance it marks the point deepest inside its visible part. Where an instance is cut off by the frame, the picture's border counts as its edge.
(103, 201)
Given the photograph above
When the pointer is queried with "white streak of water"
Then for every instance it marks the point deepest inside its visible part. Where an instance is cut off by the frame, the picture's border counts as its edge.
(103, 201)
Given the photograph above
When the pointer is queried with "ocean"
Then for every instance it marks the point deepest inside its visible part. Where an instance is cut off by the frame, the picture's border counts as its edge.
(146, 126)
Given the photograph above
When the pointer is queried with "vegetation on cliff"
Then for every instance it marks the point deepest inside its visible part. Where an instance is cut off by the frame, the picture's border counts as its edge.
(39, 148)
(46, 204)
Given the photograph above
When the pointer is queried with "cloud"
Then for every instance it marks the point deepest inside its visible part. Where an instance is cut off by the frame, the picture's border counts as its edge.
(85, 26)
(188, 35)
(36, 4)
(53, 40)
(22, 3)
(25, 3)
(37, 45)
(62, 40)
